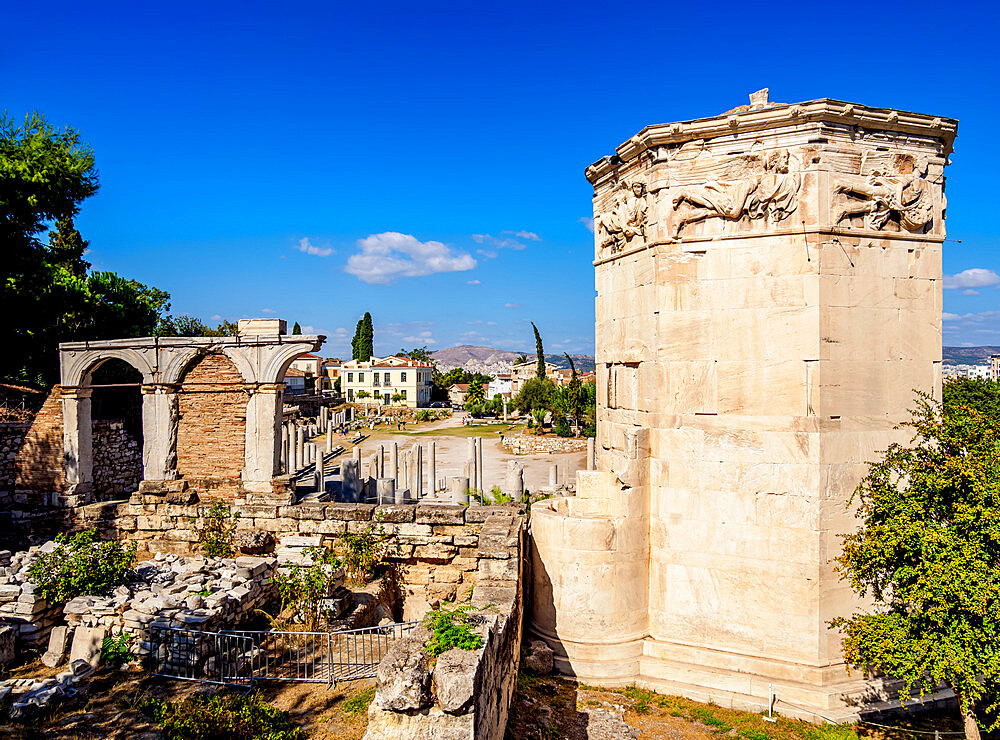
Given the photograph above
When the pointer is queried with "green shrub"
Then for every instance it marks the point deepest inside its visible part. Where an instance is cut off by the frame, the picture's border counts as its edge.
(117, 650)
(215, 536)
(590, 430)
(562, 429)
(450, 628)
(362, 553)
(80, 565)
(234, 717)
(303, 587)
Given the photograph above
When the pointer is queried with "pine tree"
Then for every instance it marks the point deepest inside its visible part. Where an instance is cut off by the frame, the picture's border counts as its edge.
(539, 352)
(296, 329)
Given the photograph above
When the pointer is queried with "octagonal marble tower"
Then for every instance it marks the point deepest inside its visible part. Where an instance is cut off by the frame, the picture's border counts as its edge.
(769, 297)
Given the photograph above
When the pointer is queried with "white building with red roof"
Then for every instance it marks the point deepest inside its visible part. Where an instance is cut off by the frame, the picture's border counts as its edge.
(396, 381)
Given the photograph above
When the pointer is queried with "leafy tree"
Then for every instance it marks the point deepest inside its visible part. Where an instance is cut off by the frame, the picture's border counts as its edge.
(977, 393)
(45, 174)
(476, 393)
(539, 352)
(536, 393)
(363, 344)
(296, 329)
(419, 354)
(336, 386)
(189, 326)
(521, 358)
(928, 553)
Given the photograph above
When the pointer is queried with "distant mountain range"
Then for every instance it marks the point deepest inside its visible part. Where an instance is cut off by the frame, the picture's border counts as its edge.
(968, 355)
(491, 361)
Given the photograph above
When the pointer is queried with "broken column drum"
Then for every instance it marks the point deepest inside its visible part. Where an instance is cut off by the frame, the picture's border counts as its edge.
(768, 295)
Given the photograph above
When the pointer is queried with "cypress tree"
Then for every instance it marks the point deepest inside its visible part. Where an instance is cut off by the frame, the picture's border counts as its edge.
(539, 352)
(366, 347)
(296, 329)
(356, 342)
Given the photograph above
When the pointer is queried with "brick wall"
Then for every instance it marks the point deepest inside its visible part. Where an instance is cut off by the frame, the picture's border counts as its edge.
(212, 425)
(117, 460)
(39, 464)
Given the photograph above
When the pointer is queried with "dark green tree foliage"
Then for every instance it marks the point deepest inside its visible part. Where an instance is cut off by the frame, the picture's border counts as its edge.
(976, 393)
(928, 555)
(536, 393)
(46, 292)
(539, 352)
(420, 354)
(189, 326)
(296, 329)
(363, 344)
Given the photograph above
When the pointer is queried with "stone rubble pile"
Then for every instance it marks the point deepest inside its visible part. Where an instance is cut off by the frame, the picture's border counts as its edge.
(20, 606)
(29, 696)
(529, 444)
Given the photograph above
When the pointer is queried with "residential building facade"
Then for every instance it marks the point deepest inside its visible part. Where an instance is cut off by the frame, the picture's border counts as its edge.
(501, 385)
(396, 381)
(524, 371)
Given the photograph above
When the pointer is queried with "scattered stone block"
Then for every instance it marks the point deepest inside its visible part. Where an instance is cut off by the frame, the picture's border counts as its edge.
(86, 646)
(8, 644)
(455, 679)
(538, 658)
(58, 639)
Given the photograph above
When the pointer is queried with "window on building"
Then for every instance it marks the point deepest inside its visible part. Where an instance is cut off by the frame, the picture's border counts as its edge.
(387, 381)
(402, 377)
(403, 394)
(374, 378)
(350, 377)
(361, 377)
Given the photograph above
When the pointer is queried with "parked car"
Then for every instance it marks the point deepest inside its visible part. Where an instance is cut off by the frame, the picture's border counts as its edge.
(438, 405)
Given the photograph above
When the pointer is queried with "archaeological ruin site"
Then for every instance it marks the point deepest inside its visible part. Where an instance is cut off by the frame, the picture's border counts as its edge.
(769, 297)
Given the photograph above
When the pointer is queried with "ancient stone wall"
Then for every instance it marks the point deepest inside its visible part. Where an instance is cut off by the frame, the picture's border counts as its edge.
(211, 432)
(39, 464)
(437, 549)
(11, 438)
(529, 444)
(464, 694)
(117, 460)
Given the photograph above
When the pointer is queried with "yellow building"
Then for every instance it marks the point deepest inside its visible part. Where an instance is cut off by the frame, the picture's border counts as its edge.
(387, 380)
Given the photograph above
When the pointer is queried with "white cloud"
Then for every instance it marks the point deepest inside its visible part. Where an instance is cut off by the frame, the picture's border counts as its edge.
(308, 329)
(423, 337)
(487, 253)
(305, 246)
(950, 316)
(506, 242)
(268, 311)
(216, 317)
(473, 282)
(975, 277)
(384, 257)
(588, 223)
(970, 291)
(531, 236)
(512, 305)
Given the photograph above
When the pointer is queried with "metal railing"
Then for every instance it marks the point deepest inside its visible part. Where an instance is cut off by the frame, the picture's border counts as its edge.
(322, 657)
(196, 655)
(242, 657)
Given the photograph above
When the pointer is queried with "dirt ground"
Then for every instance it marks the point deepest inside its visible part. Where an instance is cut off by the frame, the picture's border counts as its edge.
(544, 708)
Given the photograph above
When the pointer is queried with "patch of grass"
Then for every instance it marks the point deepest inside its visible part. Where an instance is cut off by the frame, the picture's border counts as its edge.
(488, 431)
(592, 703)
(360, 702)
(235, 716)
(527, 680)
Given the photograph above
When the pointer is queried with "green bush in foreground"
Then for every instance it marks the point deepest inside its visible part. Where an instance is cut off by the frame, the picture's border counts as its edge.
(117, 650)
(81, 565)
(450, 628)
(231, 716)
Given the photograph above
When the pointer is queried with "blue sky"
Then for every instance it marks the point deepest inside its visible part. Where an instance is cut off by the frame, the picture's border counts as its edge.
(263, 159)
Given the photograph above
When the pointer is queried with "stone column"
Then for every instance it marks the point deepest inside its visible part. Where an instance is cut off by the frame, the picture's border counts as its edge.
(357, 457)
(78, 440)
(553, 475)
(262, 436)
(329, 439)
(591, 463)
(300, 445)
(321, 476)
(159, 432)
(350, 486)
(381, 461)
(480, 477)
(394, 462)
(432, 468)
(405, 477)
(420, 473)
(385, 490)
(458, 489)
(504, 409)
(473, 476)
(514, 482)
(284, 449)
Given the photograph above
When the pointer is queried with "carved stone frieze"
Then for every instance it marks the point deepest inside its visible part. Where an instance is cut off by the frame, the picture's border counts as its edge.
(767, 189)
(623, 222)
(898, 198)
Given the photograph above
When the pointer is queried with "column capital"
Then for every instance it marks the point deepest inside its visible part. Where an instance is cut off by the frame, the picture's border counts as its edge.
(264, 387)
(76, 391)
(149, 388)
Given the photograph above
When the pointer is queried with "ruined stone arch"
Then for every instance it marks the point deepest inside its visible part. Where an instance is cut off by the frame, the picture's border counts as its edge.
(78, 365)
